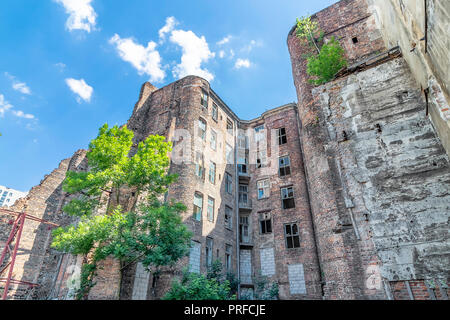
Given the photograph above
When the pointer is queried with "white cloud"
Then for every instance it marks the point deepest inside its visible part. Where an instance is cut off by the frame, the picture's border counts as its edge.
(6, 106)
(81, 88)
(171, 22)
(242, 63)
(145, 59)
(195, 52)
(21, 114)
(17, 85)
(81, 14)
(251, 45)
(21, 87)
(221, 54)
(61, 66)
(224, 40)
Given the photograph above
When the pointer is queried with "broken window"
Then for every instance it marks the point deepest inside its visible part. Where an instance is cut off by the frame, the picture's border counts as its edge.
(228, 217)
(202, 128)
(287, 197)
(291, 235)
(198, 206)
(263, 188)
(261, 158)
(214, 111)
(204, 99)
(284, 166)
(282, 138)
(265, 222)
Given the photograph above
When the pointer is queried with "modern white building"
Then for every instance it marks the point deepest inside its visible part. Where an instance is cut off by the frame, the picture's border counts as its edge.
(9, 196)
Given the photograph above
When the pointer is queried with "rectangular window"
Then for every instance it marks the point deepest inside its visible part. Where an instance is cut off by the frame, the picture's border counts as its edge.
(229, 126)
(213, 140)
(287, 197)
(243, 193)
(242, 161)
(242, 142)
(198, 206)
(282, 138)
(229, 154)
(199, 168)
(259, 133)
(261, 158)
(228, 253)
(244, 235)
(263, 188)
(291, 235)
(228, 183)
(265, 223)
(210, 209)
(204, 99)
(284, 165)
(228, 217)
(209, 251)
(212, 172)
(202, 128)
(214, 111)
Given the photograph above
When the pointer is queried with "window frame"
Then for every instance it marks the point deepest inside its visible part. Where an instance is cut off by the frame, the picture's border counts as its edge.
(209, 251)
(228, 182)
(264, 219)
(198, 213)
(212, 167)
(284, 166)
(213, 209)
(292, 235)
(266, 195)
(216, 112)
(203, 102)
(287, 198)
(229, 221)
(281, 136)
(213, 134)
(203, 135)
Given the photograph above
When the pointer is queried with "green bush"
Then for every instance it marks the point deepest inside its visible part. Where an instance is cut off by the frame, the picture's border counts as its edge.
(327, 63)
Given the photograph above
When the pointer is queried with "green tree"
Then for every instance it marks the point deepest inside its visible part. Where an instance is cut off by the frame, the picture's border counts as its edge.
(326, 59)
(213, 286)
(151, 231)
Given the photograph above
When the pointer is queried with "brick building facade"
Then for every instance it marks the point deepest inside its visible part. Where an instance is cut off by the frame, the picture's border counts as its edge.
(344, 195)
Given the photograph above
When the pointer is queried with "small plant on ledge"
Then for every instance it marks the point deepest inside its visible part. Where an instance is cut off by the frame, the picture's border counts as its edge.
(325, 59)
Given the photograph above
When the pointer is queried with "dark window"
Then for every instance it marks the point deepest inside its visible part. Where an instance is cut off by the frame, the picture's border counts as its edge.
(209, 251)
(214, 111)
(212, 172)
(244, 235)
(291, 235)
(355, 40)
(265, 222)
(204, 99)
(228, 217)
(228, 183)
(284, 165)
(287, 197)
(282, 139)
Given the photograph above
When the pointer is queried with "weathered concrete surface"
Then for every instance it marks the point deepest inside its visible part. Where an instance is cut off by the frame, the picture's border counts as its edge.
(396, 169)
(421, 28)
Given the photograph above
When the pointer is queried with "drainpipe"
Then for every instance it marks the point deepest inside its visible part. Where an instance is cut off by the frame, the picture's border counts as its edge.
(236, 189)
(309, 201)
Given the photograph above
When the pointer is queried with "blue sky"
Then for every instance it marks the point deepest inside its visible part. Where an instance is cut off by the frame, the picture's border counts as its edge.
(69, 66)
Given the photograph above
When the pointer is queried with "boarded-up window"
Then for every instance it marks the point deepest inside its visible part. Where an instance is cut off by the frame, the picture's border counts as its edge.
(296, 279)
(194, 257)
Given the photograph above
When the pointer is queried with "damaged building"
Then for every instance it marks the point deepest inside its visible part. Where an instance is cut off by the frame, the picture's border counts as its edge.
(342, 195)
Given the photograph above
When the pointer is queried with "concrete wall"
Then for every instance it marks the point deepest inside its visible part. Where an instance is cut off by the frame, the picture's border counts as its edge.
(421, 29)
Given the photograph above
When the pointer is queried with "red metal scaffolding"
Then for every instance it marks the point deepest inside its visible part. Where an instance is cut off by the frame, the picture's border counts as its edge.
(16, 233)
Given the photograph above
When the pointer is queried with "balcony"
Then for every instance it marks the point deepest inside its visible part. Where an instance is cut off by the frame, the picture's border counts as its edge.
(245, 204)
